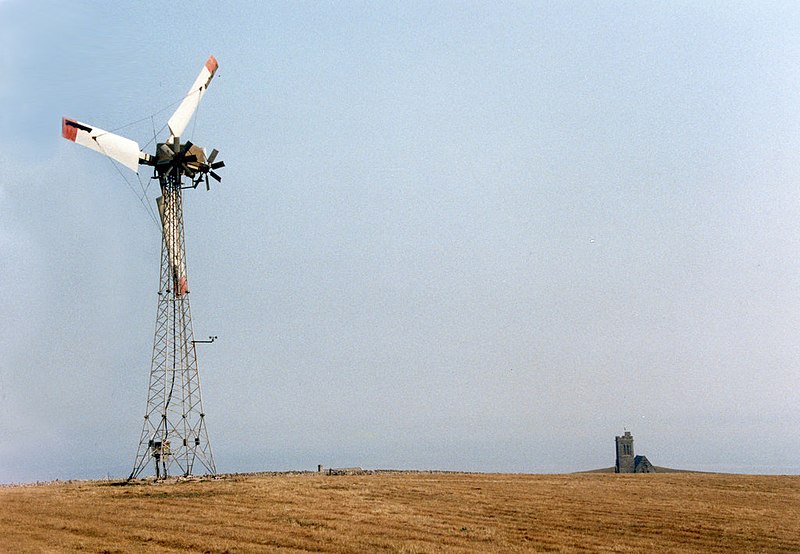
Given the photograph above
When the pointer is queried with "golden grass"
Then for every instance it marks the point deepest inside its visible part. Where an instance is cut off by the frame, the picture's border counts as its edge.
(410, 513)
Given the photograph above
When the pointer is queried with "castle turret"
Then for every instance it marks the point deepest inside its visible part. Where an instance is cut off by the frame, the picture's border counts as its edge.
(626, 462)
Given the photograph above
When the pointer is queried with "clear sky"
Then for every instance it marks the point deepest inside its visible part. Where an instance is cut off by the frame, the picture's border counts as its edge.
(450, 235)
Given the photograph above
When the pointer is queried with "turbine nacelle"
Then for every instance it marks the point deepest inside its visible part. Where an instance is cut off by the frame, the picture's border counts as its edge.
(186, 159)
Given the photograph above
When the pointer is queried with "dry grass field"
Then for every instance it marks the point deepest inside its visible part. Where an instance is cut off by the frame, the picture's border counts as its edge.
(409, 512)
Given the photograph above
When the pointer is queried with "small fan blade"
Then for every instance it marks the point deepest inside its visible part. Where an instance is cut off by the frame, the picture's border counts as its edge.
(207, 185)
(215, 176)
(213, 156)
(190, 158)
(217, 165)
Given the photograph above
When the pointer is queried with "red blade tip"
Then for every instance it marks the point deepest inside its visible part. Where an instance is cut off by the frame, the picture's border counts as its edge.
(211, 64)
(69, 132)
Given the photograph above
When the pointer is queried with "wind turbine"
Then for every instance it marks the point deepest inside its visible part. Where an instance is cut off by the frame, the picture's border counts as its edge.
(174, 432)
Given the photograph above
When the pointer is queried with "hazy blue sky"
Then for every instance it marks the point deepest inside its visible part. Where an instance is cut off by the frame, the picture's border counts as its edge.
(453, 235)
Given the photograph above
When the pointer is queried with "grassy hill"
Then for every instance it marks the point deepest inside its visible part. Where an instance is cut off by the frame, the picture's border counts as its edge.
(658, 469)
(409, 512)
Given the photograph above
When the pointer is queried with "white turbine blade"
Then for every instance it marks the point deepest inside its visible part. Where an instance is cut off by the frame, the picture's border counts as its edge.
(167, 208)
(124, 150)
(180, 119)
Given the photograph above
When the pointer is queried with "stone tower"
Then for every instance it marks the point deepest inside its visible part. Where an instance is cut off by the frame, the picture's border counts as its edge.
(626, 462)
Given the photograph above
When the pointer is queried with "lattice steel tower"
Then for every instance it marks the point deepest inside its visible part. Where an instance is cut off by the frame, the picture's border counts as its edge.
(174, 436)
(174, 433)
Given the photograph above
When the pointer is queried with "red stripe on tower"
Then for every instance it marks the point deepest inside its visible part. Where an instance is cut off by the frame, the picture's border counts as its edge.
(69, 132)
(211, 64)
(183, 287)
